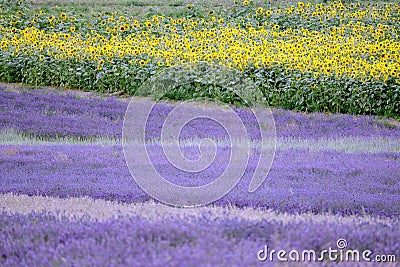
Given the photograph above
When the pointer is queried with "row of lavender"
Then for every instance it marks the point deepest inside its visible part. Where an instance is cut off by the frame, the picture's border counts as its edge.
(51, 114)
(299, 180)
(44, 240)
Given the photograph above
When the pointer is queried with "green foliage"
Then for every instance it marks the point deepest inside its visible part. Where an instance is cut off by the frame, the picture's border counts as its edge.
(303, 92)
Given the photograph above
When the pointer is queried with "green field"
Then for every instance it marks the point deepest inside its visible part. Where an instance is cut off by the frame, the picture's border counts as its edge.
(140, 8)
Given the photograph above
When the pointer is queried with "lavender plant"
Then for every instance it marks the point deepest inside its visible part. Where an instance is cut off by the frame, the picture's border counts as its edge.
(299, 180)
(41, 239)
(41, 113)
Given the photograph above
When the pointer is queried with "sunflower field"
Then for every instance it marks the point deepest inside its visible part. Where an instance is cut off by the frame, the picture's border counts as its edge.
(332, 57)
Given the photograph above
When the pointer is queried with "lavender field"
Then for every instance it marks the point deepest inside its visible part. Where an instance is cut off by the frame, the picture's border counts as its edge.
(68, 198)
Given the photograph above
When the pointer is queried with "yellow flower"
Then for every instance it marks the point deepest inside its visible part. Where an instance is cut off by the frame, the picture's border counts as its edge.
(41, 57)
(72, 29)
(300, 4)
(142, 62)
(276, 26)
(63, 15)
(245, 2)
(99, 67)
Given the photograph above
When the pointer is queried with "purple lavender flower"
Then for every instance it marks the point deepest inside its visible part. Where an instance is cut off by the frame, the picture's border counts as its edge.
(43, 240)
(55, 115)
(299, 180)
